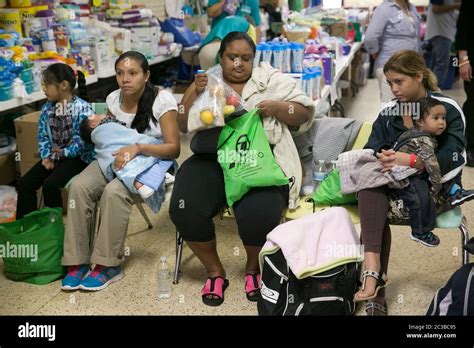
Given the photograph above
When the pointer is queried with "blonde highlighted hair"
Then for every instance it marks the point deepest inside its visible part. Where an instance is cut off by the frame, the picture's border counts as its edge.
(410, 63)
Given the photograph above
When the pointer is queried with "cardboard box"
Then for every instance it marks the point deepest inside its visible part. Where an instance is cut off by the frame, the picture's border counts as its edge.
(26, 128)
(100, 52)
(145, 34)
(339, 29)
(27, 13)
(7, 168)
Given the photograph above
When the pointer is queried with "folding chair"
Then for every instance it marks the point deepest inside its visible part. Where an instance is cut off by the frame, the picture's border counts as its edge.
(180, 243)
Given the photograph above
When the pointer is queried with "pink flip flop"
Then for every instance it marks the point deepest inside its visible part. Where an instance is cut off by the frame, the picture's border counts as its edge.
(252, 285)
(214, 286)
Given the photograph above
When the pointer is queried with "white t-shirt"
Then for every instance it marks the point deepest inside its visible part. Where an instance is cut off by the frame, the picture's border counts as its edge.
(164, 102)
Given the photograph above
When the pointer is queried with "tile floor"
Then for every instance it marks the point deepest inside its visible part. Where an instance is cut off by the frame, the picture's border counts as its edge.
(416, 272)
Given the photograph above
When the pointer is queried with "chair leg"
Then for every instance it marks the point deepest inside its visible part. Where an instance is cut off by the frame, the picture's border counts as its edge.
(145, 216)
(41, 200)
(179, 252)
(464, 238)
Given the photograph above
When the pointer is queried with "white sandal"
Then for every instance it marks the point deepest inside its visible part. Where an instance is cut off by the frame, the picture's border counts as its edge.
(381, 283)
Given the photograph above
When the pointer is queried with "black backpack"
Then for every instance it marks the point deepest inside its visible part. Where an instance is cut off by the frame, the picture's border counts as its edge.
(457, 296)
(327, 293)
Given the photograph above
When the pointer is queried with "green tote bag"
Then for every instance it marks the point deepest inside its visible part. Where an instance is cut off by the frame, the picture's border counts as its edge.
(246, 158)
(32, 247)
(329, 192)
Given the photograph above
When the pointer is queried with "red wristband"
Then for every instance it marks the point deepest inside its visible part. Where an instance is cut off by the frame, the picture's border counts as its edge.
(412, 160)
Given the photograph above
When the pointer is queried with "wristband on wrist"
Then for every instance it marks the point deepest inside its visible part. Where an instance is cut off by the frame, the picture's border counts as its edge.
(412, 160)
(462, 59)
(463, 63)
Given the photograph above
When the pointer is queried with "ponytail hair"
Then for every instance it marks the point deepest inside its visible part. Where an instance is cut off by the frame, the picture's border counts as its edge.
(81, 86)
(410, 63)
(141, 121)
(430, 81)
(59, 72)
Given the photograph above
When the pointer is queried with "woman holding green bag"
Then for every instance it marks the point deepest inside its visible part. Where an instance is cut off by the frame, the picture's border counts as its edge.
(199, 192)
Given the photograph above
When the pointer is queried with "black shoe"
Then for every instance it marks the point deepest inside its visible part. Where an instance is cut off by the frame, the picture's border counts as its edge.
(429, 239)
(461, 196)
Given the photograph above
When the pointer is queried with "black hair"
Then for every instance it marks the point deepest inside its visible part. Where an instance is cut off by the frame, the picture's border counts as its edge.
(59, 72)
(426, 104)
(85, 131)
(141, 121)
(234, 36)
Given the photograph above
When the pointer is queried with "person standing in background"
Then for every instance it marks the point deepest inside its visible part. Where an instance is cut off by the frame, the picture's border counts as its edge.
(465, 47)
(249, 9)
(440, 32)
(395, 26)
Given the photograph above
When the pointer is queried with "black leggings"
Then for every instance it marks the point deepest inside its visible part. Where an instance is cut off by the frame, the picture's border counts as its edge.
(52, 182)
(198, 196)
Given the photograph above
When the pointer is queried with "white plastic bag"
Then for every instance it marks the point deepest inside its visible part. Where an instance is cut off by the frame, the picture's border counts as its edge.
(217, 102)
(207, 110)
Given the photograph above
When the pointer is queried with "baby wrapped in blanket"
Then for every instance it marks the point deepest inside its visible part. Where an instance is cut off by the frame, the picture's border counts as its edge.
(144, 175)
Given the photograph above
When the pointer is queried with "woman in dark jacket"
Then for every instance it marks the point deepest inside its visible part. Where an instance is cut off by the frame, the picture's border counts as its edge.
(409, 80)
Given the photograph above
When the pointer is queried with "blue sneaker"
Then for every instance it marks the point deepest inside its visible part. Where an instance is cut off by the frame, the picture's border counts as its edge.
(73, 277)
(461, 196)
(101, 277)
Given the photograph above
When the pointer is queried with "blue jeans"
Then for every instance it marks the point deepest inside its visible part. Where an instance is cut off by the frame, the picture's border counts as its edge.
(440, 57)
(421, 207)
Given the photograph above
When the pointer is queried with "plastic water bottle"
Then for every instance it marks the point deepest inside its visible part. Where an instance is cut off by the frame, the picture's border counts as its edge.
(258, 55)
(277, 55)
(317, 82)
(319, 174)
(286, 63)
(309, 86)
(164, 279)
(267, 53)
(331, 166)
(297, 57)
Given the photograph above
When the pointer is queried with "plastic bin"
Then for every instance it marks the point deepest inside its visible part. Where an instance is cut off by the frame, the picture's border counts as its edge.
(30, 87)
(6, 93)
(26, 75)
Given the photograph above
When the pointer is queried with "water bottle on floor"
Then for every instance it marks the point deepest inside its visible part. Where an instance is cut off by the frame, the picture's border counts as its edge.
(319, 174)
(164, 279)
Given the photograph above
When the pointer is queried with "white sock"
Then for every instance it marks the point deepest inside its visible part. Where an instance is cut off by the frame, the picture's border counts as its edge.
(145, 192)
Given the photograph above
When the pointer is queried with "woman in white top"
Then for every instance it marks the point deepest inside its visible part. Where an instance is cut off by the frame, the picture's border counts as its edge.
(142, 107)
